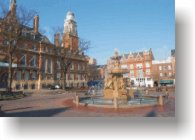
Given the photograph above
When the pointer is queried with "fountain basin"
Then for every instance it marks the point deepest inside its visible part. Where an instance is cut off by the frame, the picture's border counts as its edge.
(109, 103)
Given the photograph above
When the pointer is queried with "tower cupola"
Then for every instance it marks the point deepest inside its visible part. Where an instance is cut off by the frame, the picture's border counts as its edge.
(70, 25)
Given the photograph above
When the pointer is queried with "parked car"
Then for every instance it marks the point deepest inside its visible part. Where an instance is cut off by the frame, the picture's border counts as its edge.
(55, 86)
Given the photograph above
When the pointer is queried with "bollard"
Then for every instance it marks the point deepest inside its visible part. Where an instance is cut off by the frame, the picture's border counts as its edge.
(115, 103)
(161, 100)
(77, 101)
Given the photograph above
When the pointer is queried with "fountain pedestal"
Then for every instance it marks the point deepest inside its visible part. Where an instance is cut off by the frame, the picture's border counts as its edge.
(120, 94)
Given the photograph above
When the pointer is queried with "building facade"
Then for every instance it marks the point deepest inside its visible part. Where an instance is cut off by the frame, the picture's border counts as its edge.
(164, 71)
(39, 63)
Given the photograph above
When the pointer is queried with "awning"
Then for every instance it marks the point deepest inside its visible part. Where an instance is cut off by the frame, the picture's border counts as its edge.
(166, 81)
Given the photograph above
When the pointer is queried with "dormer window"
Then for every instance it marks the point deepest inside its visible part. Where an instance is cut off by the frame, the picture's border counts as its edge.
(23, 60)
(33, 61)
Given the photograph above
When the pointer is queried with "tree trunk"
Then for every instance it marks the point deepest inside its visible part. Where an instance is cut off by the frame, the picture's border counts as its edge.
(64, 87)
(10, 74)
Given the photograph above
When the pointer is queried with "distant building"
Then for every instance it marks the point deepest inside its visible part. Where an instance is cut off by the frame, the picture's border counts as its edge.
(38, 61)
(92, 61)
(101, 71)
(139, 65)
(94, 71)
(163, 72)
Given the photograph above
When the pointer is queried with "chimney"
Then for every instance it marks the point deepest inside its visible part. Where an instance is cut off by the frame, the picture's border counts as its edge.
(36, 24)
(57, 39)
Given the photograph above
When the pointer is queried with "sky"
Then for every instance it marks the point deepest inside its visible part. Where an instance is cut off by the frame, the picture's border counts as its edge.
(128, 25)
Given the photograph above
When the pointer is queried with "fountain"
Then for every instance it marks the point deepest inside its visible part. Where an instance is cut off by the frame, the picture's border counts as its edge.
(115, 87)
(115, 93)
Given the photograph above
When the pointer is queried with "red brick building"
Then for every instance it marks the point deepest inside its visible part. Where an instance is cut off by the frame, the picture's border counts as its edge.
(163, 72)
(38, 61)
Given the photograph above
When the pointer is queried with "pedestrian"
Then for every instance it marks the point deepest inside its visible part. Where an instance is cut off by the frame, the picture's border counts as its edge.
(93, 91)
(89, 91)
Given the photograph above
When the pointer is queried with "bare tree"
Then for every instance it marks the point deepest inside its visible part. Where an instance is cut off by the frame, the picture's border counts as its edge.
(66, 54)
(84, 45)
(66, 60)
(11, 27)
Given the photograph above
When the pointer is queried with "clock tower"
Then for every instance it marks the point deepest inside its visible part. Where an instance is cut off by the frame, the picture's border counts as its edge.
(70, 36)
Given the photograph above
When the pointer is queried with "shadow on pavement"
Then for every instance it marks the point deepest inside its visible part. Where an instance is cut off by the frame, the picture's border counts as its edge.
(152, 113)
(36, 113)
(18, 109)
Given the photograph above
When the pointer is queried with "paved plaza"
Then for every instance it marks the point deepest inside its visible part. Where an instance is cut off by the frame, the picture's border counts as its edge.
(59, 104)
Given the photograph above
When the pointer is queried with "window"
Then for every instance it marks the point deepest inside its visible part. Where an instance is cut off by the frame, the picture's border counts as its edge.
(18, 75)
(34, 75)
(71, 76)
(147, 71)
(149, 79)
(139, 66)
(160, 67)
(23, 60)
(140, 73)
(26, 75)
(72, 66)
(147, 65)
(58, 65)
(49, 66)
(58, 76)
(161, 75)
(33, 61)
(131, 73)
(170, 74)
(131, 66)
(164, 67)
